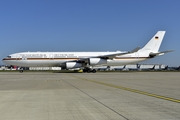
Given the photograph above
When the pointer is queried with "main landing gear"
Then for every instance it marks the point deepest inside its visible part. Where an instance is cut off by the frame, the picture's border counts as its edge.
(89, 70)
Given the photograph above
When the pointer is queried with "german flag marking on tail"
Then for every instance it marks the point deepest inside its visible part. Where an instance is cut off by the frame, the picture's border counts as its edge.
(156, 38)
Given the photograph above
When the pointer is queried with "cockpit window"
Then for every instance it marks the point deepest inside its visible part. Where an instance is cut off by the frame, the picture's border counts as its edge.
(8, 56)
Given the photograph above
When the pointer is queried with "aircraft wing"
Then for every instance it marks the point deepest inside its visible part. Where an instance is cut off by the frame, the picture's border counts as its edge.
(108, 56)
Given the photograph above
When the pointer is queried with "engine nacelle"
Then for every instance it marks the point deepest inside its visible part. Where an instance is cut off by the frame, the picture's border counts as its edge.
(97, 61)
(71, 65)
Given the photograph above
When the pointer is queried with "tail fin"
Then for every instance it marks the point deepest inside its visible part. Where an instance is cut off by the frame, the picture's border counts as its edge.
(154, 44)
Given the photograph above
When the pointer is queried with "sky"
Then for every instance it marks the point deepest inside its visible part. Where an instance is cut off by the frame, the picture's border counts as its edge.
(89, 25)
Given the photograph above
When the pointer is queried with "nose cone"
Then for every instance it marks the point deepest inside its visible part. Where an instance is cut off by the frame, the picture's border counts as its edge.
(3, 59)
(6, 60)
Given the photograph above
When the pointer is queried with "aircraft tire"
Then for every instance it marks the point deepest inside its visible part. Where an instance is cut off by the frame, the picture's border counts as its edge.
(88, 71)
(84, 70)
(93, 71)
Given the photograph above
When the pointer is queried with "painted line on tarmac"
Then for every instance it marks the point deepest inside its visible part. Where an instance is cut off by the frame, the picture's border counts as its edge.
(129, 89)
(97, 100)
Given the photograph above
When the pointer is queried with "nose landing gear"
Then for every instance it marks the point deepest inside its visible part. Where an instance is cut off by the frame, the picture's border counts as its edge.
(21, 70)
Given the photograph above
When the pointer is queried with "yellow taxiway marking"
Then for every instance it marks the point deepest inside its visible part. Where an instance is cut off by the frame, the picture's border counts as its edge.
(131, 90)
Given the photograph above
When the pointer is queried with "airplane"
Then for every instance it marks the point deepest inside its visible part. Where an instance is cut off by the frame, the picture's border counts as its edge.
(172, 68)
(122, 69)
(104, 68)
(135, 69)
(175, 68)
(87, 60)
(147, 69)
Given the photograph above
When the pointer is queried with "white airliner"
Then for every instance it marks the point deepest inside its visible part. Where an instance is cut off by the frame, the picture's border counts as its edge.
(87, 60)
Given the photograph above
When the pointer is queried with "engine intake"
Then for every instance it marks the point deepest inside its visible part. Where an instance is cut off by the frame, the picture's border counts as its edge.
(71, 65)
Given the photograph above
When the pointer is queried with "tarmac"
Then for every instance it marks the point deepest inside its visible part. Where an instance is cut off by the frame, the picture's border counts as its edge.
(90, 96)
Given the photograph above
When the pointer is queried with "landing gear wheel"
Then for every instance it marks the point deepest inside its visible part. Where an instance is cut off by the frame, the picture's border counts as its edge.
(88, 71)
(21, 70)
(84, 70)
(93, 71)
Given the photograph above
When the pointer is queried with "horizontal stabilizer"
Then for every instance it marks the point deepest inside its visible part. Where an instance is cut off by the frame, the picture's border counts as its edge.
(159, 53)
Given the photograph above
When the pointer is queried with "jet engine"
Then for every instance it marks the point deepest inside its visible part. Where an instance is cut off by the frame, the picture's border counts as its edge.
(97, 61)
(71, 65)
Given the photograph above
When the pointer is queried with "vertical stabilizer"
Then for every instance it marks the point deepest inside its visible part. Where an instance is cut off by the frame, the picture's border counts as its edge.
(154, 44)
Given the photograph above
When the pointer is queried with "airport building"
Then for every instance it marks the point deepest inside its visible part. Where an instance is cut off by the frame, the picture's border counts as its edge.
(133, 67)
